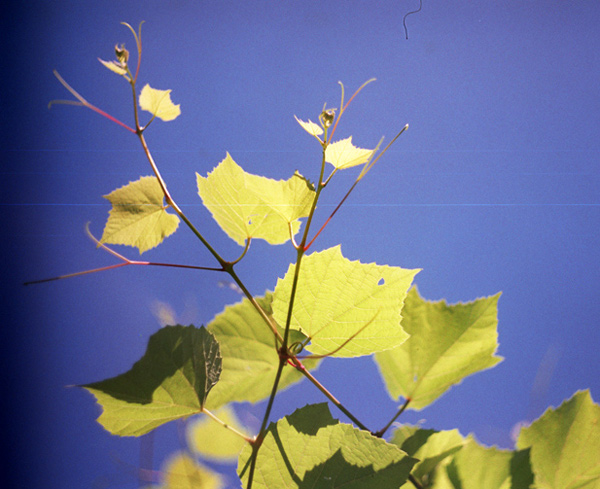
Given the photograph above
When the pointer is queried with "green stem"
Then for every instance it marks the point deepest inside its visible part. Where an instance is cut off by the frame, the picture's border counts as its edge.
(172, 203)
(414, 481)
(225, 265)
(283, 349)
(261, 434)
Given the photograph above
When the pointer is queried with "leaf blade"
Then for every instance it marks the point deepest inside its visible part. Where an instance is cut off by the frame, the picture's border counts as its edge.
(565, 444)
(337, 298)
(343, 154)
(251, 206)
(430, 447)
(209, 439)
(310, 127)
(476, 466)
(172, 380)
(309, 449)
(158, 103)
(447, 343)
(138, 217)
(250, 359)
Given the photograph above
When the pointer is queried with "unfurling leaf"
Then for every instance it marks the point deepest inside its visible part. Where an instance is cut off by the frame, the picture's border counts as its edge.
(344, 307)
(138, 217)
(565, 445)
(343, 154)
(250, 359)
(171, 381)
(115, 67)
(447, 343)
(310, 127)
(250, 206)
(310, 449)
(158, 103)
(210, 439)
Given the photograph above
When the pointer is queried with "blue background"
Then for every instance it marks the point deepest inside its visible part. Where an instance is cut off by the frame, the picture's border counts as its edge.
(495, 187)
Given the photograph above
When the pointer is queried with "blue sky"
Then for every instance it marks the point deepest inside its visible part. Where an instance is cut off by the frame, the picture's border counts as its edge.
(495, 187)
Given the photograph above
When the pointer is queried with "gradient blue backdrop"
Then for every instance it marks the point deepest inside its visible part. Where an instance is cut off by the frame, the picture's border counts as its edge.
(494, 187)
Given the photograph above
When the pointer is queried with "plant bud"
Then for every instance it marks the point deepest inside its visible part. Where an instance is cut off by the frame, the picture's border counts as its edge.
(122, 54)
(327, 117)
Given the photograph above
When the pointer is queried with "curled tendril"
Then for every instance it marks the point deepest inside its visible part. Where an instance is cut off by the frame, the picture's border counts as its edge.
(296, 348)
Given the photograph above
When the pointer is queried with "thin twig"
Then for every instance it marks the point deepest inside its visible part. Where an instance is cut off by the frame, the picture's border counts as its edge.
(382, 431)
(85, 103)
(299, 366)
(227, 426)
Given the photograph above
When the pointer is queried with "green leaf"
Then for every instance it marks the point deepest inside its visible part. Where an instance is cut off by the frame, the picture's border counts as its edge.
(171, 381)
(158, 103)
(114, 66)
(343, 154)
(250, 206)
(310, 127)
(250, 359)
(477, 467)
(138, 217)
(447, 344)
(565, 445)
(309, 449)
(182, 472)
(210, 439)
(337, 298)
(430, 447)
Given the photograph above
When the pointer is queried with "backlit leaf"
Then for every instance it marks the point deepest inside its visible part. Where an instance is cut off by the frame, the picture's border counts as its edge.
(310, 127)
(114, 67)
(565, 445)
(447, 344)
(171, 381)
(250, 206)
(336, 298)
(310, 449)
(250, 359)
(430, 447)
(343, 154)
(210, 439)
(158, 103)
(477, 467)
(138, 217)
(182, 472)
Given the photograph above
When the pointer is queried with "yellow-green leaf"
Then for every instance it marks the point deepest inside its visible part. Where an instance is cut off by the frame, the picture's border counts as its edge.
(343, 154)
(138, 217)
(114, 67)
(158, 103)
(346, 308)
(250, 359)
(430, 447)
(447, 343)
(210, 439)
(182, 472)
(310, 449)
(477, 467)
(171, 381)
(565, 445)
(310, 127)
(250, 206)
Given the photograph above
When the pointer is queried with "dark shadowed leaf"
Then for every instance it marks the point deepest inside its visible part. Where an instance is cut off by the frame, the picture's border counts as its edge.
(171, 381)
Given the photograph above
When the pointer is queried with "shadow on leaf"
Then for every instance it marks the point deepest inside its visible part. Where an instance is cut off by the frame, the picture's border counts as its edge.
(186, 349)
